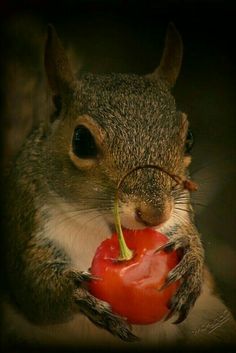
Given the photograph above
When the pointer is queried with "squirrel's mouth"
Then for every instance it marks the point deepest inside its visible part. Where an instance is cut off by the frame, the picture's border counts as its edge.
(133, 224)
(134, 218)
(137, 214)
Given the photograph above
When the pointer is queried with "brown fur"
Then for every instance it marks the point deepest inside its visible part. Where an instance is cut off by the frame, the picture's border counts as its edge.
(56, 201)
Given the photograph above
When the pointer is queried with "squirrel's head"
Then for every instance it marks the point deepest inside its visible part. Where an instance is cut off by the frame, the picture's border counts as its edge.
(107, 125)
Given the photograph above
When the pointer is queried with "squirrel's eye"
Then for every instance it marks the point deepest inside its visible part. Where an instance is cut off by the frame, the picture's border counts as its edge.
(83, 143)
(189, 142)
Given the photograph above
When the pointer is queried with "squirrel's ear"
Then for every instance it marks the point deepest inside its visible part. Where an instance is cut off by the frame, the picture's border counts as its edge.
(171, 60)
(58, 70)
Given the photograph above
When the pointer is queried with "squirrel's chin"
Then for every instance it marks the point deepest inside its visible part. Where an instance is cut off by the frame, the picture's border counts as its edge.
(133, 224)
(130, 223)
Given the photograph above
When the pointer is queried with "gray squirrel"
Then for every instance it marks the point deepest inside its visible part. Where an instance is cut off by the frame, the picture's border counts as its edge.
(59, 208)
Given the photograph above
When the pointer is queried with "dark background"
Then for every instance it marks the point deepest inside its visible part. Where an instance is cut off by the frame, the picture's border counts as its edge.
(128, 36)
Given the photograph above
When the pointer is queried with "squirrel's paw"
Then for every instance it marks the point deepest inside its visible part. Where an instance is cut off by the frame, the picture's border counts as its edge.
(78, 277)
(190, 272)
(100, 314)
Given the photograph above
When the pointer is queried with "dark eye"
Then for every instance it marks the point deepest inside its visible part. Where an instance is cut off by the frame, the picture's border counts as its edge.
(83, 143)
(189, 142)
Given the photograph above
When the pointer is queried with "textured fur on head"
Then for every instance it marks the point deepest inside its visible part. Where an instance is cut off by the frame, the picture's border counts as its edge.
(137, 117)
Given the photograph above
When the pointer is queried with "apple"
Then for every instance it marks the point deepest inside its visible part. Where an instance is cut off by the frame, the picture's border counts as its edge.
(132, 285)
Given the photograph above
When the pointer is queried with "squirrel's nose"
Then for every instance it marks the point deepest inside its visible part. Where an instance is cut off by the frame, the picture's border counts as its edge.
(152, 216)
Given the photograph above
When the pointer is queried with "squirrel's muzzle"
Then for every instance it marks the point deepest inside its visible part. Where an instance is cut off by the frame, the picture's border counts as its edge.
(137, 214)
(152, 216)
(143, 202)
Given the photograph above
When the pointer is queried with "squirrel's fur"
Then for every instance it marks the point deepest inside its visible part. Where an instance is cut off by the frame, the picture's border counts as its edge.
(59, 208)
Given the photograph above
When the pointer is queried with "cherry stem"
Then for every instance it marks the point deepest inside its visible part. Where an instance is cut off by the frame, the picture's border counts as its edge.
(125, 252)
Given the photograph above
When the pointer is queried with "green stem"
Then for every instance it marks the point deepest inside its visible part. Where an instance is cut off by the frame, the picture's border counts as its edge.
(125, 252)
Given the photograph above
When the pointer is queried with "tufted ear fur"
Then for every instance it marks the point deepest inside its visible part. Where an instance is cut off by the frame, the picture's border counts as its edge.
(58, 70)
(171, 60)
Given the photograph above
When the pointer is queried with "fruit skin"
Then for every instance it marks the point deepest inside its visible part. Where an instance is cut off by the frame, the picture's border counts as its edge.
(132, 287)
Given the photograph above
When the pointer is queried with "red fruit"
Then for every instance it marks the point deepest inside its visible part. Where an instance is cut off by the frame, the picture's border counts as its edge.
(132, 287)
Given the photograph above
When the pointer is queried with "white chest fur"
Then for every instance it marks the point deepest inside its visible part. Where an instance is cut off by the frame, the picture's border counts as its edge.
(78, 234)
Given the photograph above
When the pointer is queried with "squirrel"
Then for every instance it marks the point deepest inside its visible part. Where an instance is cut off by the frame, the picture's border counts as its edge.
(59, 208)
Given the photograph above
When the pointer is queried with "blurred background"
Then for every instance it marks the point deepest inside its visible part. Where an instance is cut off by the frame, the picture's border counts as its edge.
(128, 36)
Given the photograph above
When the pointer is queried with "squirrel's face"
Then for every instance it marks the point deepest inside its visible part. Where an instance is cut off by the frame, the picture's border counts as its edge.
(110, 125)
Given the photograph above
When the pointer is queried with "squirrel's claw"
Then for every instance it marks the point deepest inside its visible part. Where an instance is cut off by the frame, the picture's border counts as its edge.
(100, 314)
(182, 307)
(190, 272)
(174, 244)
(168, 247)
(179, 243)
(79, 276)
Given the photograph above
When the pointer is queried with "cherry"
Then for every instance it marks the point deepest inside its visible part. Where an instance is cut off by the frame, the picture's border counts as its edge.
(133, 286)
